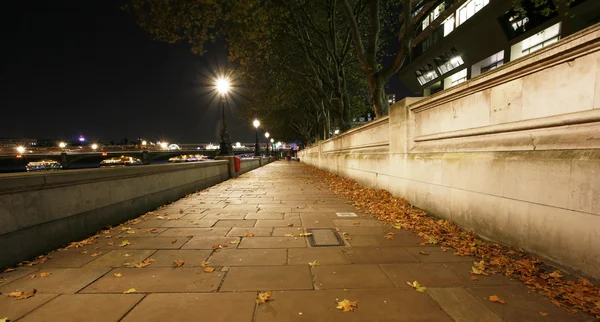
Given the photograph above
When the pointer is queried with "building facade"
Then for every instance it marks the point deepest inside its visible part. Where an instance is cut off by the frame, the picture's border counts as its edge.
(457, 40)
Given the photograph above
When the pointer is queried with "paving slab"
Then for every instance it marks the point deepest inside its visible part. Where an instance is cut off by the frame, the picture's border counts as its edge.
(248, 257)
(147, 243)
(157, 280)
(191, 258)
(211, 242)
(461, 305)
(13, 309)
(350, 276)
(273, 242)
(296, 231)
(242, 231)
(361, 241)
(379, 255)
(217, 307)
(390, 305)
(357, 222)
(316, 220)
(60, 280)
(434, 254)
(427, 274)
(85, 307)
(268, 278)
(236, 223)
(226, 216)
(200, 223)
(119, 258)
(325, 256)
(206, 232)
(278, 223)
(7, 277)
(265, 215)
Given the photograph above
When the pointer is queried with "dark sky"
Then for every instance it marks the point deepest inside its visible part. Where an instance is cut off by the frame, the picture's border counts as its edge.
(71, 67)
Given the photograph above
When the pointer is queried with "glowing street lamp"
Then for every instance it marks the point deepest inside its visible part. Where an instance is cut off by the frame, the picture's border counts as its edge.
(21, 149)
(94, 146)
(267, 136)
(256, 124)
(225, 147)
(164, 145)
(144, 143)
(62, 145)
(272, 146)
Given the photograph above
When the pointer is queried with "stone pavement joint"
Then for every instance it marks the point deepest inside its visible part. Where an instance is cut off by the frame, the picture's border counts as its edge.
(249, 231)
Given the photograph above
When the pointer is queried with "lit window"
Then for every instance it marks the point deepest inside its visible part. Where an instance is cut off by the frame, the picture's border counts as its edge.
(425, 22)
(448, 25)
(541, 39)
(450, 64)
(468, 9)
(492, 62)
(459, 77)
(517, 23)
(425, 76)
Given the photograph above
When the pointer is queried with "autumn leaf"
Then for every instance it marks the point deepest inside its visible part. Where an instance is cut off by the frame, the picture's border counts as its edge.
(263, 298)
(174, 241)
(289, 235)
(144, 263)
(417, 286)
(203, 264)
(180, 211)
(110, 244)
(178, 262)
(218, 246)
(346, 305)
(495, 298)
(234, 242)
(96, 254)
(4, 319)
(22, 295)
(543, 313)
(117, 274)
(9, 270)
(124, 243)
(389, 236)
(249, 235)
(315, 263)
(45, 274)
(305, 234)
(130, 231)
(423, 253)
(32, 276)
(556, 274)
(209, 269)
(290, 225)
(129, 291)
(356, 223)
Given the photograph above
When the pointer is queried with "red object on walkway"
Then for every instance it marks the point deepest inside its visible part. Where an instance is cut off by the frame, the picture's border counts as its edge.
(238, 164)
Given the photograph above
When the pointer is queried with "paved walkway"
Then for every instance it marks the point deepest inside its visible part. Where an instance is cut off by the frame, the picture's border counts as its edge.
(242, 229)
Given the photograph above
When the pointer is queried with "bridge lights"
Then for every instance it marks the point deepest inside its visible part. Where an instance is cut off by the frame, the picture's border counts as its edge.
(62, 145)
(94, 146)
(144, 143)
(21, 149)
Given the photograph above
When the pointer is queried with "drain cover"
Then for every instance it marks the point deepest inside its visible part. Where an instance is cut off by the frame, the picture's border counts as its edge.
(346, 214)
(323, 237)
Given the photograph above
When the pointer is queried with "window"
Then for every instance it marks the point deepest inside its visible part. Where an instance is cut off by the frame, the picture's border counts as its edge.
(536, 42)
(468, 9)
(445, 65)
(455, 79)
(448, 25)
(494, 61)
(425, 22)
(426, 74)
(434, 14)
(518, 23)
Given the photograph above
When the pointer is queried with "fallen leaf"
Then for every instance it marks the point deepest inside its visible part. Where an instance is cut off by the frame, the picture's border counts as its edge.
(219, 246)
(131, 231)
(32, 276)
(263, 298)
(154, 231)
(96, 254)
(305, 234)
(346, 305)
(4, 319)
(203, 264)
(124, 243)
(209, 269)
(174, 241)
(234, 242)
(117, 274)
(180, 211)
(45, 274)
(83, 252)
(22, 295)
(290, 225)
(131, 290)
(178, 262)
(249, 235)
(356, 223)
(9, 270)
(423, 253)
(417, 286)
(495, 298)
(289, 235)
(144, 263)
(110, 244)
(543, 313)
(556, 274)
(473, 278)
(315, 263)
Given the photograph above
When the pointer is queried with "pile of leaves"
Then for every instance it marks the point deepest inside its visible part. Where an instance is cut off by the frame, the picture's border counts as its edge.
(571, 294)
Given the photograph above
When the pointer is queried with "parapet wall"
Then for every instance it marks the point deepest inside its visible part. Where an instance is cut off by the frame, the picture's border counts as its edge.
(513, 154)
(40, 212)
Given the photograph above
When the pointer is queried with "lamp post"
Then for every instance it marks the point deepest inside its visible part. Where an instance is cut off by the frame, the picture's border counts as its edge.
(267, 136)
(256, 124)
(272, 146)
(225, 146)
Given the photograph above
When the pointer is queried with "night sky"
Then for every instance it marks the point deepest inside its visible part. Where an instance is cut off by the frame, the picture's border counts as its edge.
(71, 67)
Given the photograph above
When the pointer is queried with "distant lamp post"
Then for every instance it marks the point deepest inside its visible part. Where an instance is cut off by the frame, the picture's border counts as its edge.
(225, 145)
(94, 146)
(62, 145)
(272, 146)
(256, 124)
(21, 149)
(144, 143)
(164, 145)
(267, 136)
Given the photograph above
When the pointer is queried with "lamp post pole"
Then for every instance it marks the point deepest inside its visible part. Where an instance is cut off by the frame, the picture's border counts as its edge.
(256, 124)
(267, 136)
(225, 145)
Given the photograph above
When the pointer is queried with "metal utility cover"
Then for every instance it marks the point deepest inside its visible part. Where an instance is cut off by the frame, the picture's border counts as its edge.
(346, 214)
(323, 237)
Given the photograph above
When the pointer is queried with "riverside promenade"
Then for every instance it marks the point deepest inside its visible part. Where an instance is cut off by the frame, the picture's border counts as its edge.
(209, 256)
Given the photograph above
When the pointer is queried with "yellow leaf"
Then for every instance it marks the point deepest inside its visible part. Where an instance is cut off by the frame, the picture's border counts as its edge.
(4, 319)
(117, 274)
(22, 295)
(249, 235)
(124, 243)
(234, 242)
(423, 253)
(264, 297)
(305, 234)
(178, 262)
(96, 254)
(556, 274)
(144, 263)
(45, 274)
(495, 298)
(417, 286)
(346, 305)
(541, 313)
(174, 241)
(289, 235)
(110, 244)
(315, 263)
(203, 264)
(290, 225)
(131, 290)
(209, 269)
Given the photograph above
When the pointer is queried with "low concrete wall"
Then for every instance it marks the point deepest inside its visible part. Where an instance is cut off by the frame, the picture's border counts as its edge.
(513, 154)
(43, 211)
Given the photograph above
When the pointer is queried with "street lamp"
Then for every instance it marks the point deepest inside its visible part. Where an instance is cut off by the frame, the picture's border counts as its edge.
(94, 146)
(144, 143)
(272, 146)
(225, 146)
(62, 145)
(267, 136)
(21, 149)
(256, 124)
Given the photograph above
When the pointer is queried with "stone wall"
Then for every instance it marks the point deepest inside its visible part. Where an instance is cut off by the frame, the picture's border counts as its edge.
(43, 211)
(513, 154)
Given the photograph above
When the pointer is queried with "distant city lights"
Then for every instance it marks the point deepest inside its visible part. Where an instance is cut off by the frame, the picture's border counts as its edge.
(144, 143)
(94, 146)
(81, 138)
(62, 145)
(21, 149)
(164, 145)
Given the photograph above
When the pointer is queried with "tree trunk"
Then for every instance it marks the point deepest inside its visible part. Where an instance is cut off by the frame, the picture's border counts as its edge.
(378, 97)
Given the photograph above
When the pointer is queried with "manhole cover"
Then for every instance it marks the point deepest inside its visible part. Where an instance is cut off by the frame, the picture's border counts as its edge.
(323, 237)
(346, 214)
